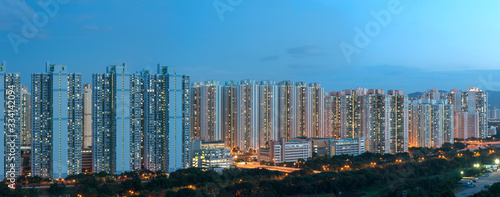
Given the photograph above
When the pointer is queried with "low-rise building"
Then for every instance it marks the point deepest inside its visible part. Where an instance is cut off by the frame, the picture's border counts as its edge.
(281, 151)
(347, 146)
(210, 155)
(87, 162)
(492, 131)
(329, 146)
(320, 146)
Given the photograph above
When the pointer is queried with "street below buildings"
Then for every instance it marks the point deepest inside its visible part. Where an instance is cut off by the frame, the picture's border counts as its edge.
(250, 165)
(483, 180)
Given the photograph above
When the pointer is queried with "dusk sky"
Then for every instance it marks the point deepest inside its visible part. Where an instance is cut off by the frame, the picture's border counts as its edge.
(408, 45)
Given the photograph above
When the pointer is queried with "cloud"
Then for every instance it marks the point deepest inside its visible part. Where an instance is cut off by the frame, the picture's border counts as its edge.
(93, 28)
(11, 14)
(83, 17)
(301, 66)
(269, 58)
(301, 51)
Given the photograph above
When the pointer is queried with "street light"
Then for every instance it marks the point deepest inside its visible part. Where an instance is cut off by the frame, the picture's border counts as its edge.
(462, 172)
(497, 161)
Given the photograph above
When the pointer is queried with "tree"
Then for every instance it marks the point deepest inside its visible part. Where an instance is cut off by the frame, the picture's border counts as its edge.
(447, 193)
(188, 192)
(56, 189)
(4, 189)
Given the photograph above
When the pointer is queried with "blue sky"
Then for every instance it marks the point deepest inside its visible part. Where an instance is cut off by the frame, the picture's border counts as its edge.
(424, 44)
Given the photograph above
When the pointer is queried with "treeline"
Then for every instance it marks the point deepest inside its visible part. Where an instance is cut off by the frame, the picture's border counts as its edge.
(493, 191)
(421, 172)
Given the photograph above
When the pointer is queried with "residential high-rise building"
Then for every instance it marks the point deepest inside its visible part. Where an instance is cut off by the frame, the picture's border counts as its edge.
(448, 130)
(247, 133)
(268, 113)
(376, 120)
(303, 108)
(470, 103)
(230, 113)
(336, 114)
(166, 120)
(206, 106)
(116, 118)
(398, 121)
(431, 122)
(287, 110)
(10, 119)
(87, 116)
(56, 123)
(351, 110)
(413, 123)
(466, 125)
(328, 117)
(317, 110)
(25, 117)
(494, 113)
(476, 101)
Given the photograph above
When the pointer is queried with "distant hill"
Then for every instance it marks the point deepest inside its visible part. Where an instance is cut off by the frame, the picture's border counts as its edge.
(493, 97)
(414, 95)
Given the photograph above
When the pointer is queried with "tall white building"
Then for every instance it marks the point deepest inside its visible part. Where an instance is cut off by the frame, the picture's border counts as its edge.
(206, 106)
(87, 116)
(247, 133)
(230, 113)
(166, 119)
(116, 120)
(287, 110)
(56, 123)
(376, 120)
(466, 106)
(431, 123)
(10, 119)
(317, 110)
(303, 108)
(398, 121)
(476, 101)
(25, 117)
(268, 112)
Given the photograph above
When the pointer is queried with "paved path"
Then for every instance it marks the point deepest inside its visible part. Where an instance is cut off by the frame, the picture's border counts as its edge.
(483, 180)
(274, 168)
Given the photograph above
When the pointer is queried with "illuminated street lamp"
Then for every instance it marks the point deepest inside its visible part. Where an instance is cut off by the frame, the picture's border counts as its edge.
(462, 172)
(497, 161)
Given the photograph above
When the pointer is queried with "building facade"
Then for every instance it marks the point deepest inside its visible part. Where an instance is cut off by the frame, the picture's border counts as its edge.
(287, 113)
(268, 113)
(347, 146)
(25, 117)
(56, 123)
(116, 146)
(247, 129)
(281, 151)
(10, 119)
(87, 116)
(206, 118)
(398, 121)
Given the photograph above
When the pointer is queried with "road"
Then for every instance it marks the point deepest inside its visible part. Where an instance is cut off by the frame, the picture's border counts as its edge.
(483, 180)
(251, 165)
